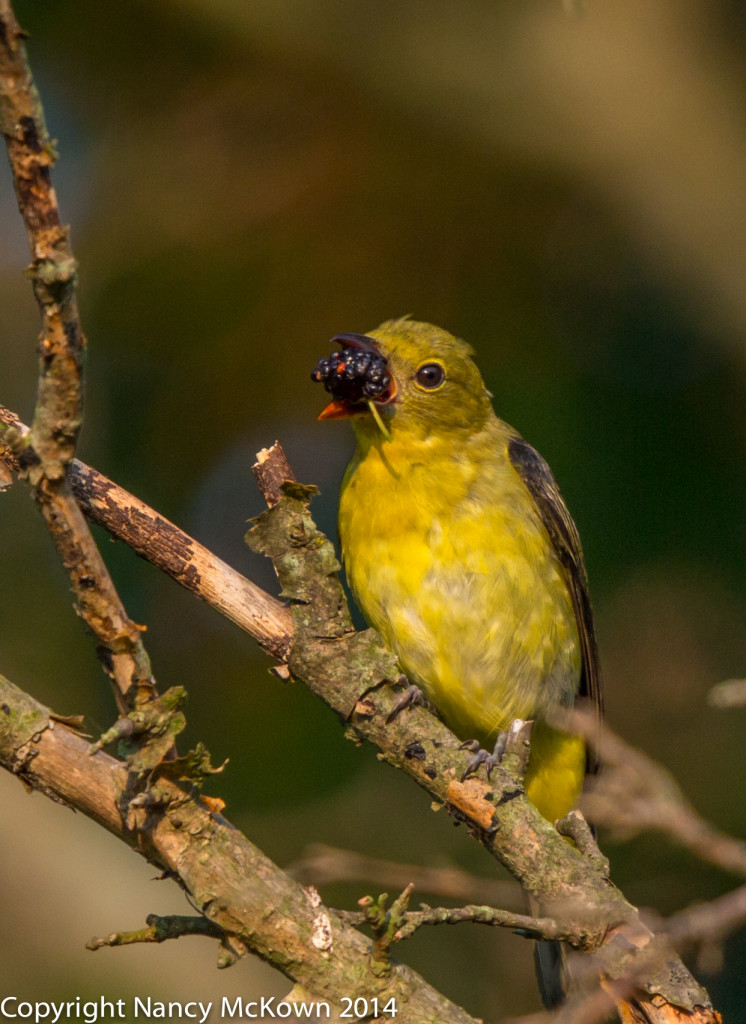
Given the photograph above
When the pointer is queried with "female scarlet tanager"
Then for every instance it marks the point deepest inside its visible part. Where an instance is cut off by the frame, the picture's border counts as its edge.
(459, 548)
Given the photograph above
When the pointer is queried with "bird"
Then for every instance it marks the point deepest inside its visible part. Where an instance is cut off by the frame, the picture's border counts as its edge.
(461, 552)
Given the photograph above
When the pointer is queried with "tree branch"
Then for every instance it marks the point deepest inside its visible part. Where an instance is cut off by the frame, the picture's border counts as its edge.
(46, 450)
(53, 269)
(435, 761)
(236, 887)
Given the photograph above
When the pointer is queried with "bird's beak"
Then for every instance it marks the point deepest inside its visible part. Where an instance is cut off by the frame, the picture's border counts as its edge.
(359, 341)
(339, 410)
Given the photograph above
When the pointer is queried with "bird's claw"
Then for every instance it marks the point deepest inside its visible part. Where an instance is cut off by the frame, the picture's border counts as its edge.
(484, 757)
(411, 697)
(481, 757)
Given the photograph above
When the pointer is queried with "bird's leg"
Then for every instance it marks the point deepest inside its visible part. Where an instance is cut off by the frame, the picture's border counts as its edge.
(484, 757)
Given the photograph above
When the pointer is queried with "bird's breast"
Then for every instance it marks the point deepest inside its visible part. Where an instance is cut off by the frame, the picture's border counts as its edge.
(448, 559)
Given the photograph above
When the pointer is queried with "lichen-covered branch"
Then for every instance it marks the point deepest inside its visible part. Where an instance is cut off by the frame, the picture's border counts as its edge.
(53, 269)
(237, 888)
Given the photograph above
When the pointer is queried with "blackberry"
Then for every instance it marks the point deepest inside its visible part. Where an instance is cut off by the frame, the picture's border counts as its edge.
(353, 374)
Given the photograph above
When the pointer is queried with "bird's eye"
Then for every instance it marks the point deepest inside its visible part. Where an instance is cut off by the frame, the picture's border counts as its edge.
(430, 376)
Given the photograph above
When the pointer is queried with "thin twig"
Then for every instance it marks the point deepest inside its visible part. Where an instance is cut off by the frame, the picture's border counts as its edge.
(707, 922)
(271, 471)
(322, 864)
(159, 929)
(529, 927)
(174, 926)
(636, 794)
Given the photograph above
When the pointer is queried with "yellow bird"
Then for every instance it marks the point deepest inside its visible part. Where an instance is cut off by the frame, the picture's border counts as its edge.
(459, 548)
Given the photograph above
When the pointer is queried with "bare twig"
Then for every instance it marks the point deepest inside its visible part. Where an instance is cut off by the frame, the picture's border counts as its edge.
(322, 864)
(271, 471)
(174, 926)
(184, 559)
(160, 542)
(159, 929)
(528, 926)
(707, 923)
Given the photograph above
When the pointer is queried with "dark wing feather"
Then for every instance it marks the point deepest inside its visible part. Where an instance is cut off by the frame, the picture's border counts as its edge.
(537, 476)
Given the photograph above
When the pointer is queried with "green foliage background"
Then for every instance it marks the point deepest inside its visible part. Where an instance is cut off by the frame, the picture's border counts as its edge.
(564, 188)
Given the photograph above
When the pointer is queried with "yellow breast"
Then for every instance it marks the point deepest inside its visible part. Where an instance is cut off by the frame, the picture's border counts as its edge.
(447, 557)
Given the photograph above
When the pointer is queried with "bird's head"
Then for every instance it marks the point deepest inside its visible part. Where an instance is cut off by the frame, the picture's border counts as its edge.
(424, 381)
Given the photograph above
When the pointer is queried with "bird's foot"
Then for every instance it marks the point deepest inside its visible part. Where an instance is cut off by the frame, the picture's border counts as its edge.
(484, 757)
(410, 698)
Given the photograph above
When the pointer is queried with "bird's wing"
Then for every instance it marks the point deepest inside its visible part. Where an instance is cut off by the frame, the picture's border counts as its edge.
(537, 476)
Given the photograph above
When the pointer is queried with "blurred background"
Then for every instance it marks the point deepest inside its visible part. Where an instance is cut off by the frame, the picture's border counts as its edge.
(562, 185)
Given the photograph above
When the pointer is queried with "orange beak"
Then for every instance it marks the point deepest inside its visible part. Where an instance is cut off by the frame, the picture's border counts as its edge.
(339, 410)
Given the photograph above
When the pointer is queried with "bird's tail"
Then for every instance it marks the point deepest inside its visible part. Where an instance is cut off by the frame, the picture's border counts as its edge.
(549, 962)
(550, 966)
